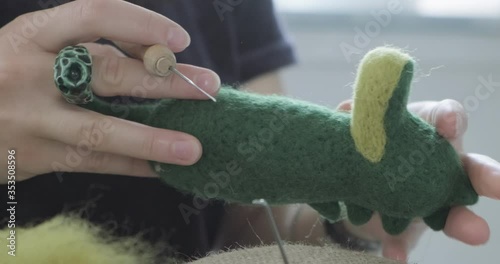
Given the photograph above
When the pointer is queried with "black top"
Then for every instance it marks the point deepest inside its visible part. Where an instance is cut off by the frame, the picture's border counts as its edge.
(238, 42)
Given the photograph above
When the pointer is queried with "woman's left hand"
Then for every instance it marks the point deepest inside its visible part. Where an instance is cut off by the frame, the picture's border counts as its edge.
(450, 120)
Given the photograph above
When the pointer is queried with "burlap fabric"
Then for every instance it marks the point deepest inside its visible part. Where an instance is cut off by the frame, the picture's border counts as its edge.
(296, 254)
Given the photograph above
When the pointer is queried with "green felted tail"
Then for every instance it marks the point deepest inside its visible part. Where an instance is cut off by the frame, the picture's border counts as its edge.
(381, 159)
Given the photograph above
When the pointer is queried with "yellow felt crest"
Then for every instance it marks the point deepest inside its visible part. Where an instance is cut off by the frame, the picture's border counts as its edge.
(378, 75)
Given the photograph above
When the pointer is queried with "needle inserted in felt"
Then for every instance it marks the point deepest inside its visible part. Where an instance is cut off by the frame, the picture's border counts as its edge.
(174, 70)
(159, 60)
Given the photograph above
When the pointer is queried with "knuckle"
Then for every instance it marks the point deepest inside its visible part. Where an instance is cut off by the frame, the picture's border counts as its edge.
(147, 146)
(4, 74)
(20, 21)
(86, 133)
(150, 24)
(8, 73)
(449, 117)
(88, 10)
(457, 116)
(96, 162)
(18, 33)
(17, 22)
(29, 153)
(134, 165)
(10, 70)
(457, 106)
(113, 73)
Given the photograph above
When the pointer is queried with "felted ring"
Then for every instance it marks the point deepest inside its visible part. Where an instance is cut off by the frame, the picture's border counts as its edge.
(73, 74)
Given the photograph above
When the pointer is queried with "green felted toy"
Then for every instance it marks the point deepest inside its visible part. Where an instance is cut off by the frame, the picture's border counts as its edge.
(378, 158)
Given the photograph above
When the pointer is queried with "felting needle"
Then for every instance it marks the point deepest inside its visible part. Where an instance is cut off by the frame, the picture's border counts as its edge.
(276, 233)
(160, 60)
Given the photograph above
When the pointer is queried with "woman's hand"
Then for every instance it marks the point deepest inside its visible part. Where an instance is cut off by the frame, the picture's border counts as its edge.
(450, 120)
(49, 134)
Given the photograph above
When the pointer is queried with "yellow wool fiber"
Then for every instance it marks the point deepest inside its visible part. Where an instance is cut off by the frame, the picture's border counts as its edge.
(69, 240)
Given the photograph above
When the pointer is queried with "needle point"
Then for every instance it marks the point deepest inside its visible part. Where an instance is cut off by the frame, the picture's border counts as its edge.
(174, 70)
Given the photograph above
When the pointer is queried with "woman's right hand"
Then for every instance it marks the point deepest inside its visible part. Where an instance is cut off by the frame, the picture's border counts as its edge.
(48, 134)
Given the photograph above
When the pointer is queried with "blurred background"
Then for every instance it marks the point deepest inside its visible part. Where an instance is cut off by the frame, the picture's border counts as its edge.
(457, 45)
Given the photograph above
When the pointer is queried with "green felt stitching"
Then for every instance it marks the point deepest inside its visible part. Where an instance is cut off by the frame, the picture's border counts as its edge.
(289, 151)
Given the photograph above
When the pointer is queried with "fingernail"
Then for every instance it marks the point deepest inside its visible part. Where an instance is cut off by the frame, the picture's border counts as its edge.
(209, 82)
(186, 150)
(178, 38)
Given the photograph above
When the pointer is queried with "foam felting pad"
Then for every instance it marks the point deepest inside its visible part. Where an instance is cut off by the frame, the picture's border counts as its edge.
(378, 158)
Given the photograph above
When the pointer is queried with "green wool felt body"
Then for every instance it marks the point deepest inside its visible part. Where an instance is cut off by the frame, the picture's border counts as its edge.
(379, 158)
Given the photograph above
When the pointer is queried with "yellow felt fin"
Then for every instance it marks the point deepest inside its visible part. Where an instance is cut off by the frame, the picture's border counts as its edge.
(378, 76)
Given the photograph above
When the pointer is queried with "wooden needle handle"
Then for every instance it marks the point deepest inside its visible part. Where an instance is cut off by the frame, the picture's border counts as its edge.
(158, 60)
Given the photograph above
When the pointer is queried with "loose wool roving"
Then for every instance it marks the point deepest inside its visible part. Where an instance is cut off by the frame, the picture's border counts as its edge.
(379, 158)
(70, 240)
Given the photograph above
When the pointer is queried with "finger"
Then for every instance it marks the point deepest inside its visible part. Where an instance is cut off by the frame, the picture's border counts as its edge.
(462, 224)
(49, 156)
(97, 49)
(448, 116)
(395, 250)
(133, 50)
(484, 173)
(345, 106)
(87, 20)
(76, 126)
(33, 71)
(116, 76)
(398, 247)
(125, 76)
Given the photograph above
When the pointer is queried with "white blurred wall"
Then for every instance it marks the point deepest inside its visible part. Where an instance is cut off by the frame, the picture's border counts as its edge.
(455, 52)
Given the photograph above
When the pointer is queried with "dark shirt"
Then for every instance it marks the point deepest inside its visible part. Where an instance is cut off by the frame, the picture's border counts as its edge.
(240, 43)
